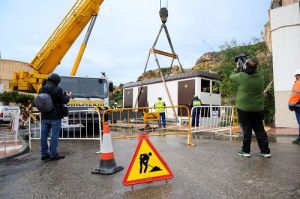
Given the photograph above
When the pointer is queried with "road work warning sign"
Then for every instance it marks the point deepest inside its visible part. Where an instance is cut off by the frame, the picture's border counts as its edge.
(151, 116)
(146, 165)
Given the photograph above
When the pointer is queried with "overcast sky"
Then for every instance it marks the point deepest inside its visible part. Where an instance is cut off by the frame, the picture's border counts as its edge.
(126, 29)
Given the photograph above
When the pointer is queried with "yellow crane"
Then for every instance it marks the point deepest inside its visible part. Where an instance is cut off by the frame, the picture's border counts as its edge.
(58, 45)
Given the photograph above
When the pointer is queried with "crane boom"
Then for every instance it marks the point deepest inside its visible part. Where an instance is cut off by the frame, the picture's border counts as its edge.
(56, 46)
(83, 46)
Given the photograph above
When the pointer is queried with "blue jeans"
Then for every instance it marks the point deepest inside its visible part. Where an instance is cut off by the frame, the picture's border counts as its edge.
(54, 126)
(162, 119)
(298, 120)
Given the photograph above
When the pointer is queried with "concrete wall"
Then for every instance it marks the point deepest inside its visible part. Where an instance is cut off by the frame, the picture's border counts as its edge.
(285, 30)
(7, 69)
(288, 2)
(1, 87)
(284, 117)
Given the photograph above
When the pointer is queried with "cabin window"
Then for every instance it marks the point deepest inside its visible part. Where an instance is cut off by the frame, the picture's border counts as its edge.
(205, 85)
(215, 87)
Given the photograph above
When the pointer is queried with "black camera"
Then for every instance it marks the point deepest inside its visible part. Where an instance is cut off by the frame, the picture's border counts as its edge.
(241, 60)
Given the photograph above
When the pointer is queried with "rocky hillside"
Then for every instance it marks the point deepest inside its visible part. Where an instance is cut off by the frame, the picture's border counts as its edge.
(213, 61)
(209, 61)
(155, 73)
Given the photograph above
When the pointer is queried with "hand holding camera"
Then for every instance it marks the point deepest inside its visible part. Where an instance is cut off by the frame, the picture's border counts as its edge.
(241, 61)
(68, 94)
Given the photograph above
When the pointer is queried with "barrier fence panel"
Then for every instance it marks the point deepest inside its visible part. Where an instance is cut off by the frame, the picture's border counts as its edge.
(9, 138)
(211, 118)
(79, 125)
(131, 122)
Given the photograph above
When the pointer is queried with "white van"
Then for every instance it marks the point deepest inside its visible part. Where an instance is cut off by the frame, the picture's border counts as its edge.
(7, 111)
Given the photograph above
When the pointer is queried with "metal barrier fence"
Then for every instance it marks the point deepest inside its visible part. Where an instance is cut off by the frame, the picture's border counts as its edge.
(79, 125)
(128, 123)
(9, 141)
(211, 118)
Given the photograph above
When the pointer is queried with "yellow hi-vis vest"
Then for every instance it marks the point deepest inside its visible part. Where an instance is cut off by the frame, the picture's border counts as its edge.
(196, 103)
(159, 106)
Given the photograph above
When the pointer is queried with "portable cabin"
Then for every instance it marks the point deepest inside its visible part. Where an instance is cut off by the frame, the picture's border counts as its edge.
(182, 88)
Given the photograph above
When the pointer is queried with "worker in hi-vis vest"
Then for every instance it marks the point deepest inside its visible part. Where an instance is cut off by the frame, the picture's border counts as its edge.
(160, 107)
(196, 112)
(294, 102)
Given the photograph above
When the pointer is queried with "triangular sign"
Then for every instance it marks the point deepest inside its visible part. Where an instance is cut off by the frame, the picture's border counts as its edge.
(146, 165)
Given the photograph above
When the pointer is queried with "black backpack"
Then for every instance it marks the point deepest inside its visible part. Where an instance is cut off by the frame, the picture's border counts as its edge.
(43, 102)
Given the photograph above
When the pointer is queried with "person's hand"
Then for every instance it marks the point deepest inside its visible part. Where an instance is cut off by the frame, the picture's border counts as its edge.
(69, 94)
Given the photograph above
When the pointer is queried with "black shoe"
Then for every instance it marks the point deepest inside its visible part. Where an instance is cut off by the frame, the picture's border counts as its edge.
(57, 157)
(47, 157)
(297, 141)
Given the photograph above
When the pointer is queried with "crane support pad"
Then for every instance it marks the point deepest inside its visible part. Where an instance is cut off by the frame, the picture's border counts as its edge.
(153, 50)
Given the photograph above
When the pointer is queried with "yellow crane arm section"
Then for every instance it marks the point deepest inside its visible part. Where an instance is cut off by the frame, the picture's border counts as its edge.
(64, 36)
(57, 45)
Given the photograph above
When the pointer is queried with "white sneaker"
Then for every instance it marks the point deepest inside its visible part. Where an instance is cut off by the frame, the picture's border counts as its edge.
(265, 155)
(244, 154)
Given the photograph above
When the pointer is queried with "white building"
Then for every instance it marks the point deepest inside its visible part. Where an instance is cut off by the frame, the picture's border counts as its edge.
(182, 88)
(285, 42)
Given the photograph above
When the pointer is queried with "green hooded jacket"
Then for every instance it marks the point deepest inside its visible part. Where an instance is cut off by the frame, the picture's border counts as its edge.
(250, 95)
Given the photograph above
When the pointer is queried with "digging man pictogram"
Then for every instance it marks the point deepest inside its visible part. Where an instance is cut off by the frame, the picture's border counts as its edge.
(144, 159)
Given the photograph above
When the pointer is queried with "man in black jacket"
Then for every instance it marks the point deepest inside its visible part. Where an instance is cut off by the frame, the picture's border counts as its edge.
(52, 120)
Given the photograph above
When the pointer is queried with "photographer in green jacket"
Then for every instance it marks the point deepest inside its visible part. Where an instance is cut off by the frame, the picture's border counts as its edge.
(250, 104)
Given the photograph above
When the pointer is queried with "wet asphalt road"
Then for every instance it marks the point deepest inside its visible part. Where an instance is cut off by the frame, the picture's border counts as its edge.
(212, 169)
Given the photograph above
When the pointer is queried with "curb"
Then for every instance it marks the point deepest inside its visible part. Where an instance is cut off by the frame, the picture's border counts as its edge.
(23, 150)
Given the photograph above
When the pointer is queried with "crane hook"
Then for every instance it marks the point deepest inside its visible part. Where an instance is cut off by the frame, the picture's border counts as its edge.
(163, 12)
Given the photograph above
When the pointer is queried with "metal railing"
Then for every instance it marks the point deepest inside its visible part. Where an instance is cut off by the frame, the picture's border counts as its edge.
(211, 118)
(128, 123)
(9, 142)
(9, 145)
(79, 125)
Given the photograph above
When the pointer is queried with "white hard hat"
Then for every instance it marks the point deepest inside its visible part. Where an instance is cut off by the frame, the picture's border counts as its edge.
(297, 72)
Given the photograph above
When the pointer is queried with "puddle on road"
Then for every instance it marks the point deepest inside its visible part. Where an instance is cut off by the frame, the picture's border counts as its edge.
(15, 162)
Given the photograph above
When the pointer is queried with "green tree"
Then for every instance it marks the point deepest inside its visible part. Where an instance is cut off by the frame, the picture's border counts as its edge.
(117, 96)
(23, 100)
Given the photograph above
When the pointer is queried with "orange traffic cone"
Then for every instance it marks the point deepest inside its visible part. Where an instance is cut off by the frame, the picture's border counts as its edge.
(107, 160)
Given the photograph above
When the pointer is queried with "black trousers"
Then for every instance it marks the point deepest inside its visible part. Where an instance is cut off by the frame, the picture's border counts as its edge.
(253, 121)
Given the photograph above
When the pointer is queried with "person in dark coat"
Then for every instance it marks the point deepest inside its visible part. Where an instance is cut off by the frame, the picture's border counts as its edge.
(196, 111)
(51, 121)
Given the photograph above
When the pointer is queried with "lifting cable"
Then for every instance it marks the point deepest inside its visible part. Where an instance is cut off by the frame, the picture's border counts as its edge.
(163, 12)
(167, 4)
